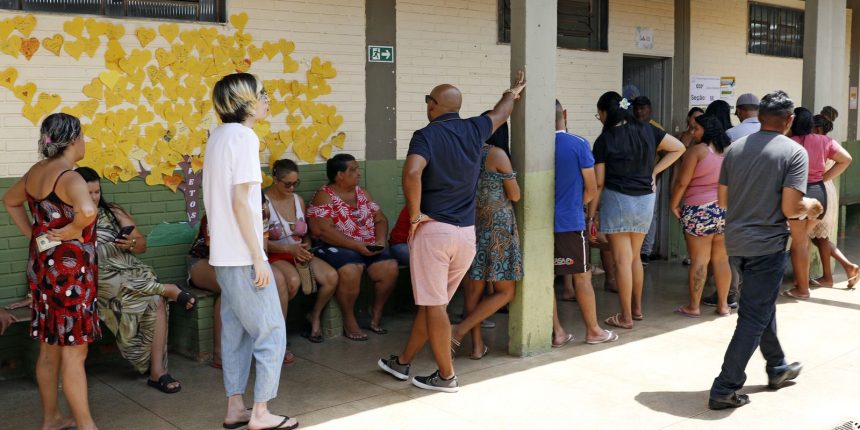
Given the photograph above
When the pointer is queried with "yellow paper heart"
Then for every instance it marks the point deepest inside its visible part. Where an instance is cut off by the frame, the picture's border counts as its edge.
(326, 70)
(144, 36)
(242, 65)
(151, 94)
(286, 47)
(286, 137)
(276, 107)
(254, 53)
(29, 47)
(292, 104)
(85, 108)
(335, 121)
(135, 61)
(94, 90)
(137, 77)
(25, 92)
(170, 88)
(115, 31)
(75, 27)
(270, 49)
(31, 113)
(164, 57)
(91, 45)
(114, 52)
(47, 103)
(168, 31)
(290, 65)
(74, 49)
(25, 24)
(53, 44)
(325, 151)
(95, 28)
(338, 140)
(239, 21)
(8, 78)
(131, 95)
(6, 27)
(244, 39)
(109, 78)
(11, 46)
(203, 106)
(112, 99)
(172, 181)
(293, 121)
(155, 75)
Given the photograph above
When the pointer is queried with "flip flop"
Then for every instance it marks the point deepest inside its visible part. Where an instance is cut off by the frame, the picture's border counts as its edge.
(315, 339)
(853, 280)
(639, 317)
(563, 299)
(281, 425)
(483, 354)
(162, 384)
(377, 330)
(788, 293)
(357, 337)
(614, 322)
(681, 311)
(235, 425)
(566, 341)
(611, 336)
(815, 283)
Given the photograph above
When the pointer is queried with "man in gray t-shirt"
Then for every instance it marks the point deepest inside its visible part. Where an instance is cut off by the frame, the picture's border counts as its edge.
(762, 183)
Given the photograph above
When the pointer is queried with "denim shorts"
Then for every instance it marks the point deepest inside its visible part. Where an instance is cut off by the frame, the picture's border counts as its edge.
(621, 213)
(338, 257)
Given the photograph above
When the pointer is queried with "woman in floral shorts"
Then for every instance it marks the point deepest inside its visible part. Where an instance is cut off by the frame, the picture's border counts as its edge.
(702, 218)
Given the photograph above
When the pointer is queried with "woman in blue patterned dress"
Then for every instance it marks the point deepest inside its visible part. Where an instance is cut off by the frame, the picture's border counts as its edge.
(499, 259)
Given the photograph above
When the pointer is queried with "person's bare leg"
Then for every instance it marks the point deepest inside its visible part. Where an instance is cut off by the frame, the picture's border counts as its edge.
(636, 240)
(439, 333)
(261, 418)
(287, 281)
(75, 385)
(559, 335)
(568, 292)
(622, 253)
(348, 286)
(608, 263)
(417, 338)
(588, 306)
(159, 344)
(852, 271)
(503, 293)
(722, 272)
(326, 278)
(384, 277)
(172, 291)
(472, 293)
(48, 377)
(236, 411)
(203, 277)
(800, 257)
(823, 245)
(699, 250)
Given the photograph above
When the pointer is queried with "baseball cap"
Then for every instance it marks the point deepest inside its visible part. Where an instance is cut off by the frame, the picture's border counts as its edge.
(747, 99)
(641, 101)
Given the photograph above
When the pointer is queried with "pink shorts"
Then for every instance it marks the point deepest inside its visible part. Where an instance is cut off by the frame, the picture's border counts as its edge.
(440, 254)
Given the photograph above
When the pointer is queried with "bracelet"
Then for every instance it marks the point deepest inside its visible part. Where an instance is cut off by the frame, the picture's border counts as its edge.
(509, 91)
(417, 219)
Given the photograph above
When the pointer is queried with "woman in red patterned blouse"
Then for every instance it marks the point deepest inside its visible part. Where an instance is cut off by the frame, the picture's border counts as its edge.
(352, 229)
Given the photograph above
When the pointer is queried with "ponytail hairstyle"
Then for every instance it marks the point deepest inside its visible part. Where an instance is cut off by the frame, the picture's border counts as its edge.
(714, 133)
(830, 113)
(803, 122)
(611, 103)
(58, 132)
(821, 121)
(721, 110)
(91, 175)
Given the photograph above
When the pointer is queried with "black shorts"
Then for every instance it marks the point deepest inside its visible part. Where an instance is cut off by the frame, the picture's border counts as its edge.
(572, 253)
(816, 190)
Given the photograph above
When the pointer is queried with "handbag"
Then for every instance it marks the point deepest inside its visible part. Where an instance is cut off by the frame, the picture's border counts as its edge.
(306, 275)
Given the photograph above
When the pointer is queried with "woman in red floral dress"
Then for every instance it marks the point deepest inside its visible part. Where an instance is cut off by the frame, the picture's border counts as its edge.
(61, 270)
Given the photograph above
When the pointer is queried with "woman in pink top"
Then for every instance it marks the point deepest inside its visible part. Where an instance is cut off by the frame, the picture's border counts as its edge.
(820, 148)
(703, 220)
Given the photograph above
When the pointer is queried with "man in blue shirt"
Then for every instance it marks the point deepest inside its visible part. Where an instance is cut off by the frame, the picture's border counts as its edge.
(575, 185)
(440, 178)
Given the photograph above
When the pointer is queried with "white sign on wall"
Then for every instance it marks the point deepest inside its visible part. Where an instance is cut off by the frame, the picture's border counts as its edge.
(704, 90)
(644, 38)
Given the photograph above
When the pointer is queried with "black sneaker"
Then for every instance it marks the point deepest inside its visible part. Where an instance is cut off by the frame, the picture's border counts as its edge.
(791, 372)
(436, 383)
(394, 368)
(645, 259)
(712, 301)
(733, 400)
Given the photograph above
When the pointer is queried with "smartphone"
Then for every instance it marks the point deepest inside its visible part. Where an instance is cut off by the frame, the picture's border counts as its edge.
(375, 248)
(125, 231)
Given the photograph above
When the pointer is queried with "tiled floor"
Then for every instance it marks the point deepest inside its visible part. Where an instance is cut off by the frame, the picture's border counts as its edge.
(656, 376)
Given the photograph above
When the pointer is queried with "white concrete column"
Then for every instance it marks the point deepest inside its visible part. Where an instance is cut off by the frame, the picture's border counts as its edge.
(824, 64)
(533, 49)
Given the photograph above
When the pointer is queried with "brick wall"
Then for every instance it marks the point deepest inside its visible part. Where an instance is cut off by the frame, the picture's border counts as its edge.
(330, 29)
(457, 42)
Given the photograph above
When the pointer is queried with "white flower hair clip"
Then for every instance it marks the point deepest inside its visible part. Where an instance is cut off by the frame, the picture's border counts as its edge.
(624, 104)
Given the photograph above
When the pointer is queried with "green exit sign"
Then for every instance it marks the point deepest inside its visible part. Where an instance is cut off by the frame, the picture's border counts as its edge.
(380, 54)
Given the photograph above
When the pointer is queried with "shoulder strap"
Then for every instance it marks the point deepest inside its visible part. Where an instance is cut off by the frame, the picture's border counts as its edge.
(56, 181)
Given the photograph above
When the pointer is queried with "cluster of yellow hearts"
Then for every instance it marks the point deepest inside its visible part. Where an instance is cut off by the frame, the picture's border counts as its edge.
(156, 102)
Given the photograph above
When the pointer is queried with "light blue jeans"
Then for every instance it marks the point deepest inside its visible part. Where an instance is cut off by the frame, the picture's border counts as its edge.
(252, 325)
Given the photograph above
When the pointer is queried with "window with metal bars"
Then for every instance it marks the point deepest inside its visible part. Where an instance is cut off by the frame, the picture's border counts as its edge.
(182, 10)
(582, 24)
(775, 31)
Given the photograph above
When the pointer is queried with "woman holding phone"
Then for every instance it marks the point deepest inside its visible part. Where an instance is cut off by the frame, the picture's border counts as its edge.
(131, 301)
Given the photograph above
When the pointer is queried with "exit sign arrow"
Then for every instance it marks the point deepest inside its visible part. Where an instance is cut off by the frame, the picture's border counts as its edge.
(380, 54)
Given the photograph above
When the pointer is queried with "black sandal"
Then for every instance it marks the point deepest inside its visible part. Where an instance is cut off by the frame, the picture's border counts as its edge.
(314, 339)
(284, 421)
(163, 384)
(184, 297)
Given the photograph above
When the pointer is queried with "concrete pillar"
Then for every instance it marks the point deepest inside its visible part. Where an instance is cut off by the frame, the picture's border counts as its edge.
(533, 49)
(824, 62)
(854, 63)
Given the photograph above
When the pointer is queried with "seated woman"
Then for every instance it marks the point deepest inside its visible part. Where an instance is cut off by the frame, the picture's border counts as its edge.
(288, 245)
(131, 301)
(352, 229)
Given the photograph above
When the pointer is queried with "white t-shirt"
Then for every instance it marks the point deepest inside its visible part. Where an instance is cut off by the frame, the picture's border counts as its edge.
(232, 158)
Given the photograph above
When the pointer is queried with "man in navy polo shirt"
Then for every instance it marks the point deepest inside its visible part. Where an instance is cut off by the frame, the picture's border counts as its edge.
(440, 178)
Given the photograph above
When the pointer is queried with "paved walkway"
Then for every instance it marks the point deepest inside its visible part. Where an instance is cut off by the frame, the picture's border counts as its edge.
(656, 376)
